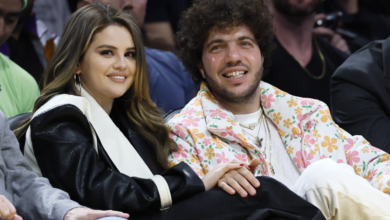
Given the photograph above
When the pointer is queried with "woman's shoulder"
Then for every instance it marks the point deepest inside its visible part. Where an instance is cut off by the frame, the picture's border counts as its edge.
(63, 101)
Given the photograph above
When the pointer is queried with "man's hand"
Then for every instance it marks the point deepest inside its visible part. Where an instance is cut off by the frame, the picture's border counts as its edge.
(90, 214)
(331, 36)
(7, 210)
(241, 180)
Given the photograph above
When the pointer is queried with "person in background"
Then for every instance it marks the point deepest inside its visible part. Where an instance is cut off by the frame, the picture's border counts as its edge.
(303, 62)
(24, 195)
(170, 85)
(54, 14)
(31, 44)
(97, 134)
(361, 21)
(236, 116)
(360, 94)
(18, 89)
(161, 22)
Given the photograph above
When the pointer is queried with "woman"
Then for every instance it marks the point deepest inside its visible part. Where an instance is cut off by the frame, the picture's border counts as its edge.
(96, 134)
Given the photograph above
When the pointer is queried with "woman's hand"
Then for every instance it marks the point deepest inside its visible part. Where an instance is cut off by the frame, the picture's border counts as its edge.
(90, 214)
(211, 179)
(232, 177)
(241, 180)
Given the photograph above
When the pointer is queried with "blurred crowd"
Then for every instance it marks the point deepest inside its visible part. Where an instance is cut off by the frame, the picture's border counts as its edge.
(311, 42)
(332, 56)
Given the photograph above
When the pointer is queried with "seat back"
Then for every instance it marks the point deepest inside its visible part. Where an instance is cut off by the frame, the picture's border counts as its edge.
(171, 113)
(15, 122)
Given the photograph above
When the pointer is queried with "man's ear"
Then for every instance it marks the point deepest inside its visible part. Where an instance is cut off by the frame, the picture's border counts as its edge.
(201, 69)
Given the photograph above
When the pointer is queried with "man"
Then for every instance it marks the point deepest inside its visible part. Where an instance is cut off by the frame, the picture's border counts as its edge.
(360, 94)
(32, 196)
(31, 43)
(161, 22)
(170, 86)
(18, 90)
(55, 14)
(303, 62)
(226, 45)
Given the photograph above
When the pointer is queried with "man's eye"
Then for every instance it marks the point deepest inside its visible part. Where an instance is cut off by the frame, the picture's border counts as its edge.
(106, 53)
(245, 44)
(10, 20)
(217, 47)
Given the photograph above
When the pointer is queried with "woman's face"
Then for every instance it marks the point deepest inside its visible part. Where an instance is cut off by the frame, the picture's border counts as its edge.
(108, 68)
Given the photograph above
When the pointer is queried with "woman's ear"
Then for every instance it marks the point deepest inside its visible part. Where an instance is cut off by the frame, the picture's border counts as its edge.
(78, 69)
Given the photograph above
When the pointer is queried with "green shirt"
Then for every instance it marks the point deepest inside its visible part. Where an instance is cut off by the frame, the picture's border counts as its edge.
(18, 89)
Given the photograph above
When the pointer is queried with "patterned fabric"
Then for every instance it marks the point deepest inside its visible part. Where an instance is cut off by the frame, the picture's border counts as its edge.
(204, 129)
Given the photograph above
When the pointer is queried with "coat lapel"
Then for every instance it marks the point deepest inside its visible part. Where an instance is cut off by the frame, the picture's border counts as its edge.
(222, 122)
(385, 61)
(118, 148)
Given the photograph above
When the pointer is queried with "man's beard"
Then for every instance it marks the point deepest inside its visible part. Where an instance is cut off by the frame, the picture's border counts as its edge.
(285, 7)
(220, 91)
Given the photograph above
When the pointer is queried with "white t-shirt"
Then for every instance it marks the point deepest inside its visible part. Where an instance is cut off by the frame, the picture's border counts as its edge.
(285, 169)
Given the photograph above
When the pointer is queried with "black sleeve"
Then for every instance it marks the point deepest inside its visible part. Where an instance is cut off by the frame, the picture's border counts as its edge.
(63, 146)
(358, 106)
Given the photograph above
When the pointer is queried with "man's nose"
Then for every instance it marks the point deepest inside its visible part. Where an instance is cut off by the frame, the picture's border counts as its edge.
(232, 53)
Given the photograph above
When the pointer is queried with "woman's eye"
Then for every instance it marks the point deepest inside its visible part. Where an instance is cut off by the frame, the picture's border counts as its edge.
(106, 52)
(130, 54)
(245, 44)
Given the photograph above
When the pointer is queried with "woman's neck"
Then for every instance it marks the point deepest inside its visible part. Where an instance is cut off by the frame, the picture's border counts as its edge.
(104, 102)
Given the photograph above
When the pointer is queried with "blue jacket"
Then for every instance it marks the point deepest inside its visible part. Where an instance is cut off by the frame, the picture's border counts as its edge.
(171, 87)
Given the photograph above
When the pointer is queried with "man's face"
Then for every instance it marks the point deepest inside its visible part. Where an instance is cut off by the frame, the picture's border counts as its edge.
(9, 15)
(232, 64)
(297, 7)
(136, 8)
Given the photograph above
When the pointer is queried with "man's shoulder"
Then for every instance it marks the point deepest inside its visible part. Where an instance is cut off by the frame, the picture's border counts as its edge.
(15, 74)
(276, 100)
(159, 55)
(368, 61)
(191, 109)
(159, 60)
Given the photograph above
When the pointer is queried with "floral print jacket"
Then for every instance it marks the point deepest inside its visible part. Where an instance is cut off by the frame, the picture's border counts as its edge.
(204, 129)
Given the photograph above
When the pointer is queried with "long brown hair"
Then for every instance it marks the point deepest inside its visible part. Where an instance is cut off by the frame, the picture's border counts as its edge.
(142, 112)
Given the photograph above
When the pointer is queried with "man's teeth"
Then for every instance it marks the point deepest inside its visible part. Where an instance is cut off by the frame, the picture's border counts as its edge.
(118, 77)
(235, 74)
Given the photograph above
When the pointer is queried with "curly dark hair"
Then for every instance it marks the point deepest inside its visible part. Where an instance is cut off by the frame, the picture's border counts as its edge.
(204, 15)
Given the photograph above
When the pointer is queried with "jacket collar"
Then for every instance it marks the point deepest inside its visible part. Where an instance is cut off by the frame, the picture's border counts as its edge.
(117, 146)
(217, 116)
(386, 58)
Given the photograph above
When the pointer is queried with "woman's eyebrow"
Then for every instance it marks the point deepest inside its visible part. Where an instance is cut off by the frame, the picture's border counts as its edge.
(113, 47)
